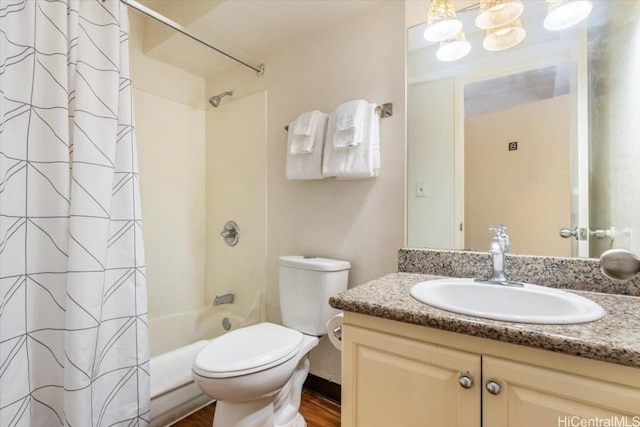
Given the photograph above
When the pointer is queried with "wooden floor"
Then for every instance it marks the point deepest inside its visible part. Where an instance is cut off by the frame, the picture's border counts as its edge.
(316, 410)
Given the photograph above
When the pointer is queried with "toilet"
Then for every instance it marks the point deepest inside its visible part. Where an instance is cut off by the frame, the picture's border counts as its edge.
(256, 373)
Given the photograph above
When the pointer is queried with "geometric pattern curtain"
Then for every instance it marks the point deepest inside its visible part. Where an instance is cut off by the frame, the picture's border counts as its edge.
(73, 329)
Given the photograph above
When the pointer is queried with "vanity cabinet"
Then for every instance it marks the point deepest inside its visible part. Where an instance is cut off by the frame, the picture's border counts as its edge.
(397, 374)
(537, 396)
(395, 381)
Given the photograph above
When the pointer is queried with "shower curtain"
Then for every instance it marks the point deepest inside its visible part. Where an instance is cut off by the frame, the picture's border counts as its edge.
(73, 330)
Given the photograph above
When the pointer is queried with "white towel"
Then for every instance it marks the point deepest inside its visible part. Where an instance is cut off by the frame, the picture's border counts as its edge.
(309, 165)
(304, 132)
(349, 129)
(359, 162)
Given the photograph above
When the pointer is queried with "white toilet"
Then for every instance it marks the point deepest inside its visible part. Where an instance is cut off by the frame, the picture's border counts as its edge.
(256, 373)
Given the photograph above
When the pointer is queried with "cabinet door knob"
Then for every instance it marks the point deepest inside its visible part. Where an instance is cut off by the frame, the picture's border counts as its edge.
(465, 381)
(493, 387)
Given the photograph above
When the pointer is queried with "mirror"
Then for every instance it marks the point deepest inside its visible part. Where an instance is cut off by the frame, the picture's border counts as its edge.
(543, 137)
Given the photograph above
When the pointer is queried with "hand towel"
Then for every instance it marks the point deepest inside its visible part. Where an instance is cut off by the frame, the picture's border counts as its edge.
(350, 124)
(309, 165)
(304, 132)
(362, 161)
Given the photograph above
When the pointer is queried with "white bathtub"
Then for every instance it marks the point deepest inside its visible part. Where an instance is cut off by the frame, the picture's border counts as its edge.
(174, 340)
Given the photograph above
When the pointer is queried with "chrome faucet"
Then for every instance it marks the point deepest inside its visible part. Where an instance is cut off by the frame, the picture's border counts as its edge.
(500, 244)
(496, 250)
(223, 299)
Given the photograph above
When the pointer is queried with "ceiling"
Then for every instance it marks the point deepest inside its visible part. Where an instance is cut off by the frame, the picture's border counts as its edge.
(252, 30)
(505, 92)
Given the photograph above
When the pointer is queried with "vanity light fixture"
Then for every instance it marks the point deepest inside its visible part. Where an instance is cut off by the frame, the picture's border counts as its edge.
(496, 13)
(453, 48)
(566, 13)
(442, 23)
(505, 36)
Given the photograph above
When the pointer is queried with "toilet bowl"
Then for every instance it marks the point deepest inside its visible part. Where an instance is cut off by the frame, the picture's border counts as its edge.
(256, 373)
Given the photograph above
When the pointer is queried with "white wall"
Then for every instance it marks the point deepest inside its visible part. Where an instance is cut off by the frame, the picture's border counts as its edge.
(359, 221)
(170, 126)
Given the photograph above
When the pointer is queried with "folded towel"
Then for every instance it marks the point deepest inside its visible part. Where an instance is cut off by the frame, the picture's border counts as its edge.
(305, 122)
(309, 165)
(304, 131)
(349, 124)
(350, 115)
(359, 162)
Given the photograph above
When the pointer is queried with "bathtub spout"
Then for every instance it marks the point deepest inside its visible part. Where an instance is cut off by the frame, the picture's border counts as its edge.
(223, 299)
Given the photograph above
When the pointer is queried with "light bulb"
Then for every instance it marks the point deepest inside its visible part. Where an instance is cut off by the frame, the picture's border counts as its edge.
(454, 48)
(566, 13)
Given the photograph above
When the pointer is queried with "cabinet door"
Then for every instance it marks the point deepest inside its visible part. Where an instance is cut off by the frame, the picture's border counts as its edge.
(389, 381)
(534, 396)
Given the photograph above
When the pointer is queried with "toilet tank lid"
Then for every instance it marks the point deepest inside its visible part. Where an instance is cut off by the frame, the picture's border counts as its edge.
(314, 263)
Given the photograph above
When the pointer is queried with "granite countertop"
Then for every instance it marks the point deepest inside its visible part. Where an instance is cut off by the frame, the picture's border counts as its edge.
(615, 338)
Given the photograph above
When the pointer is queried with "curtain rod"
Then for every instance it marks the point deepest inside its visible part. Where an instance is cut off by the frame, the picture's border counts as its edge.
(179, 28)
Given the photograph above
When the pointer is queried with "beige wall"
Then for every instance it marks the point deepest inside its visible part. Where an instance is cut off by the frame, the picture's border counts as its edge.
(528, 189)
(170, 125)
(359, 221)
(236, 190)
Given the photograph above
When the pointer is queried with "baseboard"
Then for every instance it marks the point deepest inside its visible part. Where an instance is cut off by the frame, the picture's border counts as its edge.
(325, 388)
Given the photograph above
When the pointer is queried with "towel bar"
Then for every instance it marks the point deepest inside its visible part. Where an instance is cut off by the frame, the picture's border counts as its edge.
(385, 110)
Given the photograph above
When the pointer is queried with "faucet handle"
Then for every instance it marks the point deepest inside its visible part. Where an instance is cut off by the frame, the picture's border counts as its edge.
(498, 229)
(502, 236)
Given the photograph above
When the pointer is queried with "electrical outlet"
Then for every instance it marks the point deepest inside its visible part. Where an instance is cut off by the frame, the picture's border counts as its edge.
(420, 189)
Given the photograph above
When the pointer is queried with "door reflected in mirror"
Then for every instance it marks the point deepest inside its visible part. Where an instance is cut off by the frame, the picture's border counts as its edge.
(541, 137)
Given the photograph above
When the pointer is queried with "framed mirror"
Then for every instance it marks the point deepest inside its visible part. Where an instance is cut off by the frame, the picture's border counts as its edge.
(542, 137)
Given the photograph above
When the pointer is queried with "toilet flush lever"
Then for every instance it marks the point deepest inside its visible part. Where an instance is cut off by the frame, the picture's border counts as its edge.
(337, 332)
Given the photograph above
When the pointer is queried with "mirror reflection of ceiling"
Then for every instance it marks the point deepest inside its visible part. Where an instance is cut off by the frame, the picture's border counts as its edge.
(513, 90)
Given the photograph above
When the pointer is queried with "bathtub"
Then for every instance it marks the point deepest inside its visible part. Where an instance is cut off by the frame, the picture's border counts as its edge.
(174, 341)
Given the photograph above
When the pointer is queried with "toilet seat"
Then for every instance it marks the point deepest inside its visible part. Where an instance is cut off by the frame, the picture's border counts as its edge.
(248, 350)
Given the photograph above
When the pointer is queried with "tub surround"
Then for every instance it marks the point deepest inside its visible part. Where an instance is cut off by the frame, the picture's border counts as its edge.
(615, 338)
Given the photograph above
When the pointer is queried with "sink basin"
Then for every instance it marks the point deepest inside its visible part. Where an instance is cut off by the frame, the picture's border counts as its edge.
(527, 304)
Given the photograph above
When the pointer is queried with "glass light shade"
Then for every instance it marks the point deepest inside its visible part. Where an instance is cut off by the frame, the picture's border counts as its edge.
(566, 13)
(454, 48)
(495, 13)
(504, 37)
(441, 22)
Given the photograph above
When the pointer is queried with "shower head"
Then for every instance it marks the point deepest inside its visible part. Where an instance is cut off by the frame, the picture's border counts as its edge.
(215, 100)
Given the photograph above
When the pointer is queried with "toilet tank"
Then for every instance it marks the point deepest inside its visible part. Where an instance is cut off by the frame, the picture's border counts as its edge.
(306, 283)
